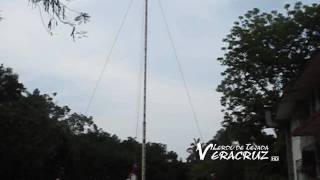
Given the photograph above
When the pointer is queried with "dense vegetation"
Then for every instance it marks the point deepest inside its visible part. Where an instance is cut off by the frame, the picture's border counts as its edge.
(264, 52)
(41, 140)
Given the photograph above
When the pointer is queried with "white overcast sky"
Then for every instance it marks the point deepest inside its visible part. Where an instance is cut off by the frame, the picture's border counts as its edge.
(57, 64)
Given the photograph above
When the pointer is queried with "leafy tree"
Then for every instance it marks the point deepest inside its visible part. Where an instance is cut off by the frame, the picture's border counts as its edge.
(192, 150)
(10, 88)
(41, 140)
(265, 52)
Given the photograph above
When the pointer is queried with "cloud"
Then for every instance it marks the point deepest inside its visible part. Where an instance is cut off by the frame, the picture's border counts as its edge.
(57, 64)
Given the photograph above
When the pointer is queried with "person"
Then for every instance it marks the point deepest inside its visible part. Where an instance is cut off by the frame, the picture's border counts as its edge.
(133, 172)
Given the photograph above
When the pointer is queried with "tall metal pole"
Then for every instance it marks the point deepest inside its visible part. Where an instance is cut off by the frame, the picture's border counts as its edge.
(144, 134)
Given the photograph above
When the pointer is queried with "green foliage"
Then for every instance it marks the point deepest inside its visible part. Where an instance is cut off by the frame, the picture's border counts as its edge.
(10, 88)
(41, 140)
(60, 13)
(192, 150)
(265, 52)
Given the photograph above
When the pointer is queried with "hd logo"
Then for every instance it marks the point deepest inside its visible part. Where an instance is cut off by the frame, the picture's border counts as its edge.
(275, 158)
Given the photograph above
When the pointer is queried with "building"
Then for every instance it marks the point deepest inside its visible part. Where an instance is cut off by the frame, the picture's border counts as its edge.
(298, 116)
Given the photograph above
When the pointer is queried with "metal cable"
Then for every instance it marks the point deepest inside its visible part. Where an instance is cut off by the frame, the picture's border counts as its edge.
(181, 70)
(108, 57)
